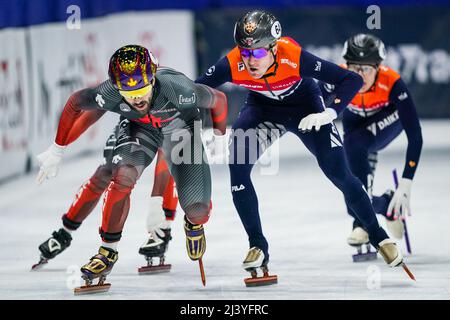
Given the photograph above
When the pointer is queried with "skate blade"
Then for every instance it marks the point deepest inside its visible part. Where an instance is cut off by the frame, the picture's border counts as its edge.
(39, 265)
(202, 271)
(154, 269)
(361, 257)
(410, 274)
(261, 281)
(95, 288)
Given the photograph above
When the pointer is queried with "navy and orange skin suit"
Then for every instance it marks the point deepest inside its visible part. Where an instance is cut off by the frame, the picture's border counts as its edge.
(371, 121)
(278, 101)
(90, 192)
(174, 106)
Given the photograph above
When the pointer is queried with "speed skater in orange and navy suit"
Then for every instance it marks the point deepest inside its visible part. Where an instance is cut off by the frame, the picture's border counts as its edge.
(283, 96)
(376, 115)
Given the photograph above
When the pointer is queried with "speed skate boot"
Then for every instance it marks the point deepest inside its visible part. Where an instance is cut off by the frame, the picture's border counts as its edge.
(99, 266)
(393, 256)
(53, 246)
(395, 227)
(155, 247)
(358, 238)
(256, 259)
(195, 244)
(195, 240)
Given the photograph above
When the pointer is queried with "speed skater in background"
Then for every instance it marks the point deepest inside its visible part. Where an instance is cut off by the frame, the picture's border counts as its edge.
(376, 115)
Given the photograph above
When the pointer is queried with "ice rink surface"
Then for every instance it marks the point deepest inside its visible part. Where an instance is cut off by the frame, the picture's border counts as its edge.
(303, 217)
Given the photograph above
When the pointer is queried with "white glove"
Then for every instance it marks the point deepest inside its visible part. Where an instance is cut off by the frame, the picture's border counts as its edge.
(218, 149)
(49, 161)
(399, 204)
(156, 218)
(317, 120)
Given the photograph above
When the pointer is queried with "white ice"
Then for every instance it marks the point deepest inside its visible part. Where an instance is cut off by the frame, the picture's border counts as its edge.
(303, 218)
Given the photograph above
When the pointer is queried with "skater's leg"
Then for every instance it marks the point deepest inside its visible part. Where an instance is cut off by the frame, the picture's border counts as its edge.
(87, 198)
(249, 140)
(85, 201)
(333, 163)
(192, 177)
(134, 150)
(362, 140)
(164, 186)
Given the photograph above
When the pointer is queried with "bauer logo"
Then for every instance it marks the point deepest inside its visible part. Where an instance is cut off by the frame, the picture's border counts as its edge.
(100, 101)
(116, 159)
(186, 100)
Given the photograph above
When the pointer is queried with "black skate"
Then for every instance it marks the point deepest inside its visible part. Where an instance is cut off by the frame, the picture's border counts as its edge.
(156, 247)
(255, 259)
(53, 246)
(99, 267)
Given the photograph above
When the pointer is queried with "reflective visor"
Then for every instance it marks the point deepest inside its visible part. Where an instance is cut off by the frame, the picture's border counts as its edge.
(139, 93)
(257, 53)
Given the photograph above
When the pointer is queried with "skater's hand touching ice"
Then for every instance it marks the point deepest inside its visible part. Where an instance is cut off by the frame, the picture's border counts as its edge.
(49, 161)
(399, 205)
(217, 148)
(317, 120)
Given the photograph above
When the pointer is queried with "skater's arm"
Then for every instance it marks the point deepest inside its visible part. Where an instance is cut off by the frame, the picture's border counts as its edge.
(216, 101)
(402, 99)
(217, 74)
(73, 110)
(346, 83)
(84, 121)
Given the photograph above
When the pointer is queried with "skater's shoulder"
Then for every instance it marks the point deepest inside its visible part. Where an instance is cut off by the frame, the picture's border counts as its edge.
(176, 86)
(106, 90)
(386, 73)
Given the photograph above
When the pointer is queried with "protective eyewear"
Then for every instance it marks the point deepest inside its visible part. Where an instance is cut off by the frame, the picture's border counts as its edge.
(365, 69)
(136, 94)
(257, 53)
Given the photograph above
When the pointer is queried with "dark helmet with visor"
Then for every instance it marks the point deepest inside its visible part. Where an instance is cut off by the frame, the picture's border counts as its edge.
(257, 29)
(364, 49)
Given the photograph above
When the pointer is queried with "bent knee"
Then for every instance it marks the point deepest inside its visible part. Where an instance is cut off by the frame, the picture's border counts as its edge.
(198, 213)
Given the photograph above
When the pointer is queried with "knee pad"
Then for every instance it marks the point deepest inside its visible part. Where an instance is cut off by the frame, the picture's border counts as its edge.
(198, 213)
(100, 180)
(125, 178)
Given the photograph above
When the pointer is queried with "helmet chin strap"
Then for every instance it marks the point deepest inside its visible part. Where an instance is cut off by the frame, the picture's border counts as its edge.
(275, 63)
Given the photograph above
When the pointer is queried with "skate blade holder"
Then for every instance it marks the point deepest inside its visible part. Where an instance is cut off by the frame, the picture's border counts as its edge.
(264, 280)
(367, 256)
(91, 289)
(154, 269)
(39, 265)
